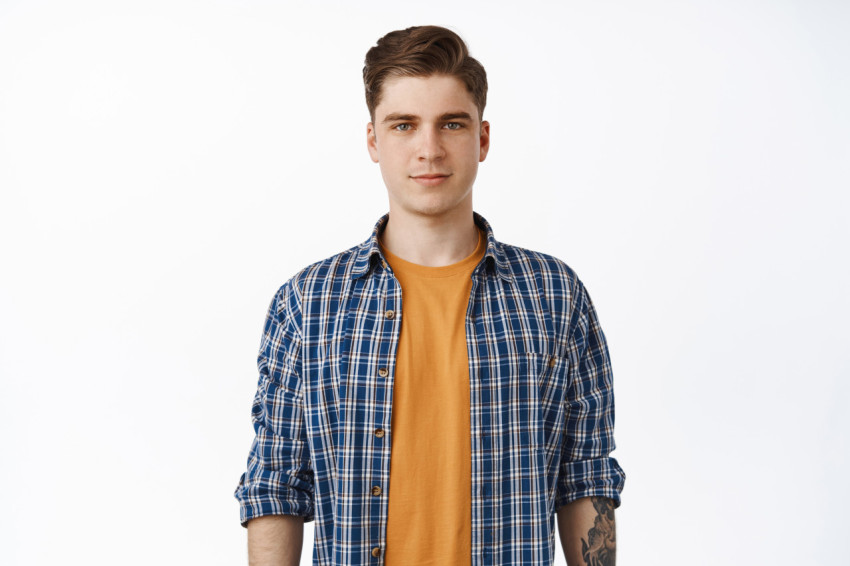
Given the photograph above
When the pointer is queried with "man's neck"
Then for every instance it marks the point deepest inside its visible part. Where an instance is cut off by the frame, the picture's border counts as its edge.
(433, 241)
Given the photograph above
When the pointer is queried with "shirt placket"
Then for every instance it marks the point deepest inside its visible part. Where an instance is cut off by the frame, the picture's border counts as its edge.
(483, 527)
(390, 314)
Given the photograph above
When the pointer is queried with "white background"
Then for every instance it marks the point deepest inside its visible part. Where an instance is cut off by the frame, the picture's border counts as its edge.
(166, 165)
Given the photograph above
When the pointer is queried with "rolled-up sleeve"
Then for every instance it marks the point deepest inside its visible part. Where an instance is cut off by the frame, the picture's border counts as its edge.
(279, 478)
(586, 468)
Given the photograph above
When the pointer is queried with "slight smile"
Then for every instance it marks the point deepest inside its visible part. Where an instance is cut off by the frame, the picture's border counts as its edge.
(431, 179)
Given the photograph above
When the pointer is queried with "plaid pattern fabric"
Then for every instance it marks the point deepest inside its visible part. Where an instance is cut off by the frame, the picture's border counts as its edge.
(542, 405)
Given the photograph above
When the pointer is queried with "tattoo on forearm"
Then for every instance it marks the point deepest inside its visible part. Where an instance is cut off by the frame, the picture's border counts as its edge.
(600, 548)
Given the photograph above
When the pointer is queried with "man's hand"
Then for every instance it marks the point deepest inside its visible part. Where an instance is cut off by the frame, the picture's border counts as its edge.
(588, 532)
(275, 540)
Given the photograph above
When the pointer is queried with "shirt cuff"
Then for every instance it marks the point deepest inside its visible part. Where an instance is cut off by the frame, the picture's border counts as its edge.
(273, 493)
(598, 477)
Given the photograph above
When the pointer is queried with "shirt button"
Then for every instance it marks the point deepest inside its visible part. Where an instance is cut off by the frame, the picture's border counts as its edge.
(376, 490)
(390, 314)
(383, 372)
(384, 264)
(552, 362)
(376, 551)
(379, 432)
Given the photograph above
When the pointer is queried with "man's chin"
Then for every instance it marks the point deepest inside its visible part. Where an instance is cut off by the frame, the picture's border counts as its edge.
(434, 206)
(433, 210)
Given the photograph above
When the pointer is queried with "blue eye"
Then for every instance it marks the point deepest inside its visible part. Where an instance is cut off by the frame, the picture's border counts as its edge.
(454, 125)
(402, 127)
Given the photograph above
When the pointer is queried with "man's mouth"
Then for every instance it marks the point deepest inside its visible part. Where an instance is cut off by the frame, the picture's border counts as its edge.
(430, 179)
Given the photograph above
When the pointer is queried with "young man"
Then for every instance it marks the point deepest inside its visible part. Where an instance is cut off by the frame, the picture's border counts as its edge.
(432, 396)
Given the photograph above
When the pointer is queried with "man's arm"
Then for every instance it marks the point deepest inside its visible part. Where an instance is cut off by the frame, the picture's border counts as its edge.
(589, 479)
(588, 532)
(275, 494)
(275, 540)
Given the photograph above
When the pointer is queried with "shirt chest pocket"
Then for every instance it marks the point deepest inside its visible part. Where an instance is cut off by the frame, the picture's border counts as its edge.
(551, 374)
(539, 379)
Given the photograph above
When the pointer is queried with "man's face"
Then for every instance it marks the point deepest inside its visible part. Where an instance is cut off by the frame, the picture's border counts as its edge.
(428, 140)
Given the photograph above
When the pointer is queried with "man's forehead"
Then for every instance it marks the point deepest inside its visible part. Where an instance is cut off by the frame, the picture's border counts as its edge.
(425, 97)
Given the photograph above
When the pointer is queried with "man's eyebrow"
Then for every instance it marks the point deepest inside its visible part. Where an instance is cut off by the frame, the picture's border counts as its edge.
(396, 117)
(455, 116)
(448, 116)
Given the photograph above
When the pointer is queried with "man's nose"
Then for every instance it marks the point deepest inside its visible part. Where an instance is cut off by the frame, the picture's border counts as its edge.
(430, 145)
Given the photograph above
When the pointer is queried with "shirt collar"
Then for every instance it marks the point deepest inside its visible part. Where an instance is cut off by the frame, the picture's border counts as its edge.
(369, 252)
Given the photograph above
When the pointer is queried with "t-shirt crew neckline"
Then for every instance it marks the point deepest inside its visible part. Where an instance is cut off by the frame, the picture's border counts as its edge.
(467, 264)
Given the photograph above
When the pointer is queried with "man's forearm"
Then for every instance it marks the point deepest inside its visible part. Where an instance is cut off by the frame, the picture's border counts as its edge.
(275, 540)
(588, 532)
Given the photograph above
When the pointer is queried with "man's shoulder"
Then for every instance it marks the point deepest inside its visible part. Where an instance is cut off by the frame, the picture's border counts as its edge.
(531, 265)
(339, 266)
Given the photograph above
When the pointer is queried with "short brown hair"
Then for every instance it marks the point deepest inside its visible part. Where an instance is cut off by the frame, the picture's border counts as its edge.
(422, 51)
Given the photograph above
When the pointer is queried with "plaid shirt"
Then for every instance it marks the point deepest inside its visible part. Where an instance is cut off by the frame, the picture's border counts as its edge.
(541, 398)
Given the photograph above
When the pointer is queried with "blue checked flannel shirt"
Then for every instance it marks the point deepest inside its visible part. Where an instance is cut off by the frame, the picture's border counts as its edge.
(541, 398)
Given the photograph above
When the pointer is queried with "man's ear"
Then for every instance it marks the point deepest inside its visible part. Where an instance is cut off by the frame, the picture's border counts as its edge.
(484, 140)
(371, 142)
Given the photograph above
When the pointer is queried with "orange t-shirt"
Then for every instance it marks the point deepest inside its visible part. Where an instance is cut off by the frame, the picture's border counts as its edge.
(430, 496)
